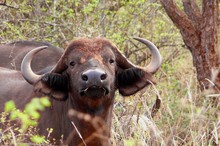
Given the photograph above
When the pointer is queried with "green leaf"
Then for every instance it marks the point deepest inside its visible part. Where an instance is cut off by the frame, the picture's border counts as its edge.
(38, 139)
(45, 101)
(10, 106)
(35, 115)
(14, 114)
(23, 144)
(129, 142)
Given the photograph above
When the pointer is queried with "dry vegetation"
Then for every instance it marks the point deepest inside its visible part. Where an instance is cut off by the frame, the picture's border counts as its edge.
(186, 115)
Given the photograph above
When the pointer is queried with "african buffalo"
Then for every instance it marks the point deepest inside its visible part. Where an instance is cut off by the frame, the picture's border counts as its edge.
(84, 79)
(11, 55)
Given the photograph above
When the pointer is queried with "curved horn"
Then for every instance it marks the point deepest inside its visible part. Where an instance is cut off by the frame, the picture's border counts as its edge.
(26, 70)
(156, 59)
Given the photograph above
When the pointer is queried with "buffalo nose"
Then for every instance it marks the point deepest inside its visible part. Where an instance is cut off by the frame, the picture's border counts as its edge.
(94, 75)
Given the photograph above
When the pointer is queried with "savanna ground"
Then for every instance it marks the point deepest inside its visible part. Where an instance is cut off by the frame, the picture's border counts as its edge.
(186, 115)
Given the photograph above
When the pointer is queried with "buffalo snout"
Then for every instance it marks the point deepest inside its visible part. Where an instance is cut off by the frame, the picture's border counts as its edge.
(95, 82)
(94, 76)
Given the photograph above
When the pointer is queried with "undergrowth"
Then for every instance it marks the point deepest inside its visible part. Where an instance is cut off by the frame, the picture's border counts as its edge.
(186, 117)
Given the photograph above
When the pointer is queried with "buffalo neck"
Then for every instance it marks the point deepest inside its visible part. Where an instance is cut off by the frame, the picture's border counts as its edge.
(95, 130)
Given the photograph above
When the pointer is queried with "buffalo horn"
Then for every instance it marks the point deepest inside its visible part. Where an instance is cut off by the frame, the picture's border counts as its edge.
(26, 70)
(153, 66)
(156, 58)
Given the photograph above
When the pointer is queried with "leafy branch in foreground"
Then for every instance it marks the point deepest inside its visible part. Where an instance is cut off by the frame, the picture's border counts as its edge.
(19, 125)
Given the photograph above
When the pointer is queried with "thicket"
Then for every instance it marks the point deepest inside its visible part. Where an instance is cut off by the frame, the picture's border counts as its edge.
(186, 115)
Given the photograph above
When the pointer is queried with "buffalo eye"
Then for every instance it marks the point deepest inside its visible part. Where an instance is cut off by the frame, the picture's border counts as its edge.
(72, 63)
(111, 61)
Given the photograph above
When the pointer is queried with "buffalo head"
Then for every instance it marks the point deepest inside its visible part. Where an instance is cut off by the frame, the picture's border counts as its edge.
(90, 70)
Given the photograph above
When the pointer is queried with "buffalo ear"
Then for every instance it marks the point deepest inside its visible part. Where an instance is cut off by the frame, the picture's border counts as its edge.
(131, 80)
(53, 85)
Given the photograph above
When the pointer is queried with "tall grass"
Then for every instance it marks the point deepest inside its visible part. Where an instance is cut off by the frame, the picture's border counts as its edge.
(186, 116)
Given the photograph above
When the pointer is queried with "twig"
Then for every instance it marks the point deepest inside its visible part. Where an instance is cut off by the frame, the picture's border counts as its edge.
(6, 5)
(157, 103)
(78, 133)
(1, 135)
(96, 122)
(13, 136)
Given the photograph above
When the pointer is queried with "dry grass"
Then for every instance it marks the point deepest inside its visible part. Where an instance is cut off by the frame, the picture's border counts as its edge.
(186, 117)
(181, 121)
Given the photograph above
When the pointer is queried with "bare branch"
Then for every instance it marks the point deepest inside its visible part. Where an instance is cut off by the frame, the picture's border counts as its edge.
(193, 13)
(6, 5)
(183, 23)
(179, 18)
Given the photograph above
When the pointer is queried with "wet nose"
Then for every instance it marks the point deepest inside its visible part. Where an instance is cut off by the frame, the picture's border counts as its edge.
(94, 75)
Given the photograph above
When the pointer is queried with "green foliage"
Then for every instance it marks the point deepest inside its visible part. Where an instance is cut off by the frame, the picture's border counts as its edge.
(30, 114)
(60, 21)
(89, 8)
(38, 139)
(9, 106)
(129, 143)
(27, 119)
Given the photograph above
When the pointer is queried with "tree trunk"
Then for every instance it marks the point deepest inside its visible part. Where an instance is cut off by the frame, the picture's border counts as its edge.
(199, 30)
